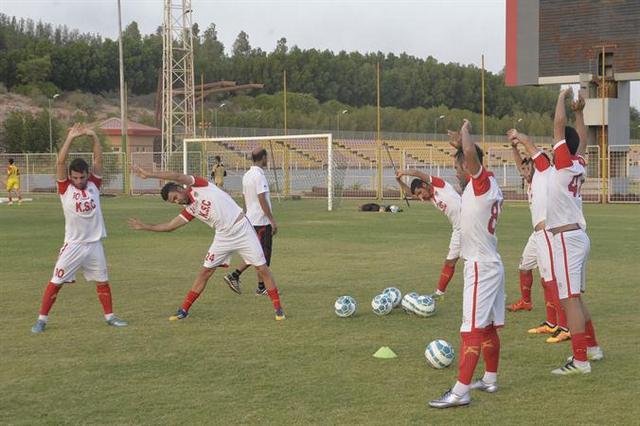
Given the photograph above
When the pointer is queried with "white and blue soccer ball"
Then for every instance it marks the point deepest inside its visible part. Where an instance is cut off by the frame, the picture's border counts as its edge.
(408, 301)
(381, 305)
(394, 295)
(345, 306)
(439, 354)
(424, 306)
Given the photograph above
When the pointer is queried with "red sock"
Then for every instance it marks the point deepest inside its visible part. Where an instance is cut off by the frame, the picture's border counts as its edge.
(579, 344)
(552, 316)
(590, 334)
(491, 349)
(104, 295)
(445, 276)
(526, 281)
(469, 356)
(50, 294)
(189, 299)
(561, 317)
(275, 297)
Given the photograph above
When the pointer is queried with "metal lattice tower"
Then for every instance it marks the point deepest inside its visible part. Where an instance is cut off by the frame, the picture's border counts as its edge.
(178, 100)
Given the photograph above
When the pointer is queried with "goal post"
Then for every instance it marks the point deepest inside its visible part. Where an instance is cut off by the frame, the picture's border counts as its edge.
(306, 165)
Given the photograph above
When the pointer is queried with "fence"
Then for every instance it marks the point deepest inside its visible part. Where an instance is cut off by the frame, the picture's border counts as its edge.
(355, 175)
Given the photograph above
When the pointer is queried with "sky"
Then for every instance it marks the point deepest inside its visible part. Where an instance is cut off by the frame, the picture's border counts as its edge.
(449, 30)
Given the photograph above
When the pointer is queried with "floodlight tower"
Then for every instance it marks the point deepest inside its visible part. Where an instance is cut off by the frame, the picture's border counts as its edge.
(178, 97)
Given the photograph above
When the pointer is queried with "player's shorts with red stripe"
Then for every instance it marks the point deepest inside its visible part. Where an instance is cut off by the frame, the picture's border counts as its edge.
(86, 256)
(483, 300)
(265, 235)
(570, 254)
(241, 239)
(538, 254)
(454, 244)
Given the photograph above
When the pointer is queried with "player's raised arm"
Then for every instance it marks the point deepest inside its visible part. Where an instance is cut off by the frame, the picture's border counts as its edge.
(560, 117)
(174, 224)
(97, 152)
(173, 176)
(517, 158)
(61, 164)
(454, 139)
(469, 149)
(578, 107)
(405, 188)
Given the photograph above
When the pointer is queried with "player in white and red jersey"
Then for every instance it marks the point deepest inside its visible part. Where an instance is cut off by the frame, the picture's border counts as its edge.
(483, 296)
(445, 198)
(537, 252)
(571, 244)
(233, 231)
(84, 230)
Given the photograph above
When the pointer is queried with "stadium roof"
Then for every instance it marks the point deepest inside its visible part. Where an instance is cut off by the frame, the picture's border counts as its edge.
(112, 127)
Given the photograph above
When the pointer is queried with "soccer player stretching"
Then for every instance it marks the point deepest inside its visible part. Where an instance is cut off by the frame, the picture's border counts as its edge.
(83, 229)
(234, 233)
(483, 296)
(445, 198)
(538, 253)
(570, 242)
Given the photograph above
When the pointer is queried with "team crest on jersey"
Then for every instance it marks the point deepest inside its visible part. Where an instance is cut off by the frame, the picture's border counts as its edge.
(442, 206)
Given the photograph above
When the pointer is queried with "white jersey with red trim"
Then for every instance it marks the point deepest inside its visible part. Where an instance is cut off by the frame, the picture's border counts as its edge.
(564, 203)
(211, 205)
(537, 192)
(447, 200)
(83, 222)
(481, 206)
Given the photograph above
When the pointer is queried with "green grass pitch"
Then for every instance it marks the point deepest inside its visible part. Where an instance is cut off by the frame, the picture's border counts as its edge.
(231, 363)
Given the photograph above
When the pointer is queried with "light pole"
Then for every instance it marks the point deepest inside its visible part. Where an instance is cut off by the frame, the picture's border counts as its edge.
(344, 111)
(435, 125)
(215, 116)
(50, 129)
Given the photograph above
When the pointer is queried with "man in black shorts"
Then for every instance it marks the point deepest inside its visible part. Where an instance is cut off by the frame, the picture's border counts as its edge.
(255, 190)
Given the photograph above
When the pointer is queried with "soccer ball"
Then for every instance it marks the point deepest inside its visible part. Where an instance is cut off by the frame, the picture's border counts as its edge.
(345, 306)
(424, 306)
(381, 305)
(394, 295)
(439, 354)
(394, 209)
(408, 301)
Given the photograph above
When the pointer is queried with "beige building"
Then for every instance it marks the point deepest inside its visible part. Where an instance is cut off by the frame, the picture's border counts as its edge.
(140, 136)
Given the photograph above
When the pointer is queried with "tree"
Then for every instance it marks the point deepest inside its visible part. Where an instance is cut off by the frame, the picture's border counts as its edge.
(34, 70)
(241, 46)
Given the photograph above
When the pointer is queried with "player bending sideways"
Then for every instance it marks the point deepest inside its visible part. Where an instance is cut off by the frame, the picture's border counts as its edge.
(483, 295)
(83, 230)
(445, 198)
(233, 231)
(537, 253)
(570, 243)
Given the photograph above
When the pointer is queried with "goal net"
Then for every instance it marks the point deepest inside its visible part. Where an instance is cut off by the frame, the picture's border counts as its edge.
(310, 166)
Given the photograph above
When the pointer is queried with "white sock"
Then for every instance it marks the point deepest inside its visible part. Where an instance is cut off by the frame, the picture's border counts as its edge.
(44, 318)
(109, 316)
(490, 378)
(460, 389)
